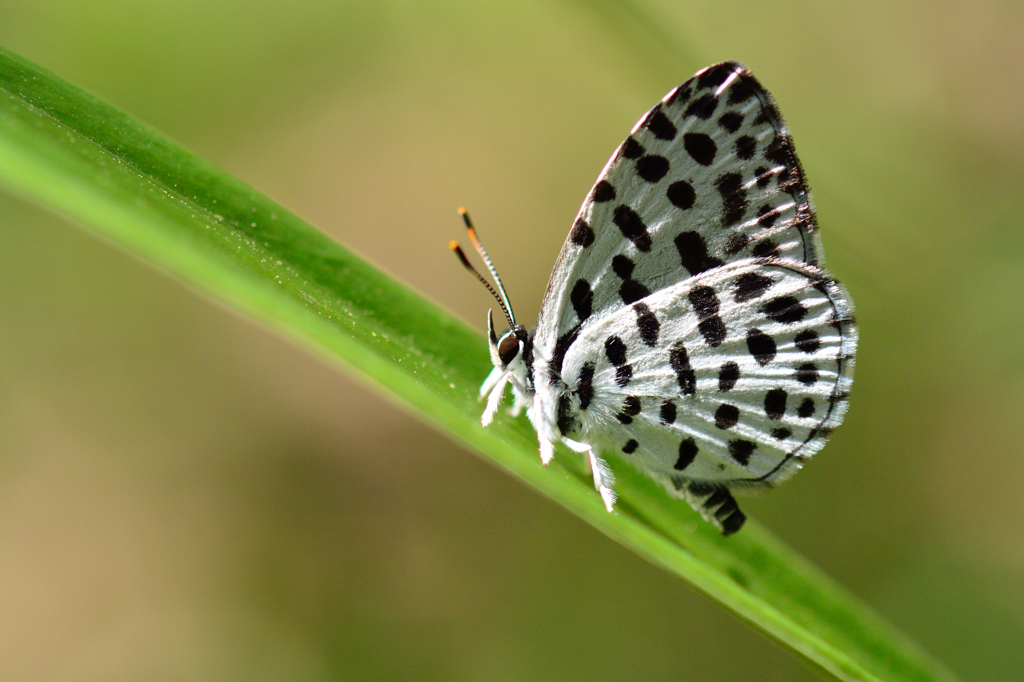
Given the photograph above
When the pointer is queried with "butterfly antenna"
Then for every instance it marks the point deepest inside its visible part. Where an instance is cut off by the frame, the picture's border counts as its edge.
(454, 246)
(487, 261)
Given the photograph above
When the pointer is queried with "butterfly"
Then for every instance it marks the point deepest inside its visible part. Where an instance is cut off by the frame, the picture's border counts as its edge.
(688, 324)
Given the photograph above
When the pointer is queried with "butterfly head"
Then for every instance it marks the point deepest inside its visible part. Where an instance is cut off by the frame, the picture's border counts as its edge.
(509, 351)
(512, 354)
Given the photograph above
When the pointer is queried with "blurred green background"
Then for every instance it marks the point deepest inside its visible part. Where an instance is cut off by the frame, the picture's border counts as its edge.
(184, 495)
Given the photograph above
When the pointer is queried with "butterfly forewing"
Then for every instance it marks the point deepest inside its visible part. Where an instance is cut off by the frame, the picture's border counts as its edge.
(707, 177)
(732, 377)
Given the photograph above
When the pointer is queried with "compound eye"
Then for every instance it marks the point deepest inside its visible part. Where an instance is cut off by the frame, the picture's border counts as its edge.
(508, 349)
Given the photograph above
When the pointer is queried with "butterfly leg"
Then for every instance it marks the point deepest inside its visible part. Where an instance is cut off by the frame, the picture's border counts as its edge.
(535, 412)
(519, 404)
(603, 476)
(603, 479)
(493, 399)
(491, 381)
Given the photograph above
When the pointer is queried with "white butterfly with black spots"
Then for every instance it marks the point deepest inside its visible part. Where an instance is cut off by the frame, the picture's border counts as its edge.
(688, 324)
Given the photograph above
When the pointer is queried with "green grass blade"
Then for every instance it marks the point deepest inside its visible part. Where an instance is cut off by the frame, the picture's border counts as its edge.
(67, 150)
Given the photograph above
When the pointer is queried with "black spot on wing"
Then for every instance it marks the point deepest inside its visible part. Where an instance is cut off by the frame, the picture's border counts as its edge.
(731, 121)
(581, 233)
(623, 266)
(734, 198)
(766, 248)
(668, 412)
(785, 176)
(681, 194)
(681, 95)
(750, 285)
(652, 167)
(582, 299)
(630, 447)
(700, 147)
(741, 450)
(728, 375)
(775, 403)
(679, 360)
(602, 192)
(713, 76)
(615, 350)
(736, 243)
(693, 252)
(745, 147)
(713, 330)
(687, 453)
(742, 89)
(647, 323)
(761, 346)
(631, 291)
(631, 149)
(767, 215)
(659, 124)
(807, 373)
(808, 341)
(632, 227)
(785, 309)
(727, 416)
(630, 409)
(703, 107)
(806, 408)
(781, 434)
(705, 303)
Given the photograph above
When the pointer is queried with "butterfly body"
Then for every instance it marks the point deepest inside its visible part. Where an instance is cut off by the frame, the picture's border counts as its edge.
(688, 325)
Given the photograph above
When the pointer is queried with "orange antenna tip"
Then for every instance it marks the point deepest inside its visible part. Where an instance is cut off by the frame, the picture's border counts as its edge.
(453, 245)
(500, 295)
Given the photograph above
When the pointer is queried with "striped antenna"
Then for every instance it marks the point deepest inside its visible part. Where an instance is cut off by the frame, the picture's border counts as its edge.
(499, 295)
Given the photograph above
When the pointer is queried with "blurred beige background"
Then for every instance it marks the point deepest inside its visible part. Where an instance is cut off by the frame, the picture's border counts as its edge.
(184, 495)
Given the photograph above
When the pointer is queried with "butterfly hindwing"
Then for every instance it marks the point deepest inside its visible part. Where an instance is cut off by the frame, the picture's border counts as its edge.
(707, 177)
(731, 378)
